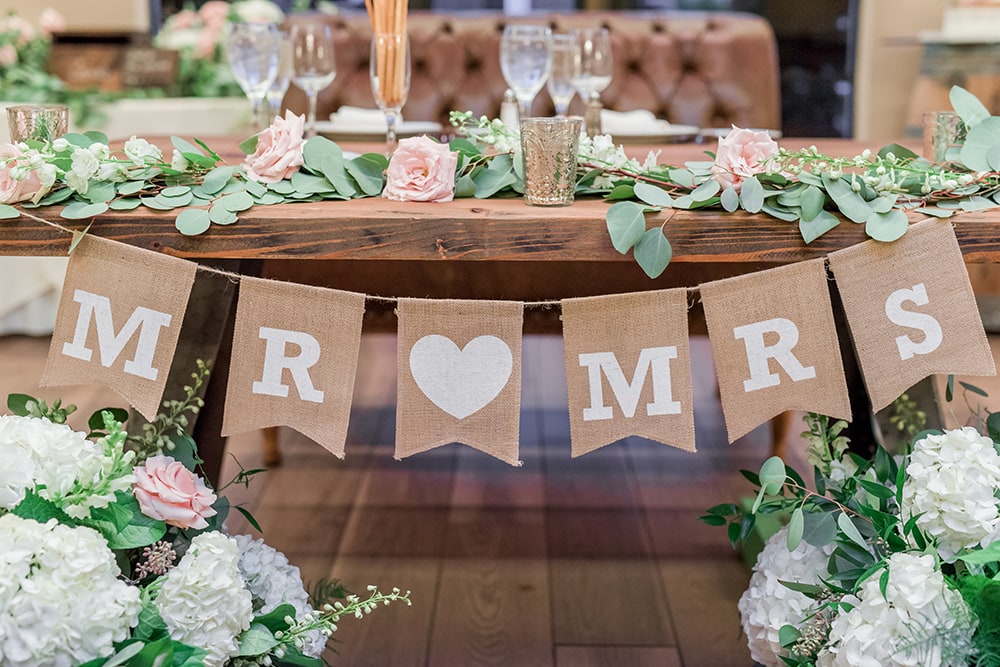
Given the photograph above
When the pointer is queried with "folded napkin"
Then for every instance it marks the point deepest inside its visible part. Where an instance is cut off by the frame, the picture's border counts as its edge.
(358, 119)
(639, 121)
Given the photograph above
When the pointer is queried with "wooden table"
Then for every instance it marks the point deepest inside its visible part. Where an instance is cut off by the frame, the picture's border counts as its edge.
(497, 248)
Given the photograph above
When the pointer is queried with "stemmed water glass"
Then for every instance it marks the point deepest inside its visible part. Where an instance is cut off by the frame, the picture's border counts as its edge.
(560, 82)
(389, 70)
(526, 59)
(313, 64)
(592, 73)
(276, 93)
(252, 52)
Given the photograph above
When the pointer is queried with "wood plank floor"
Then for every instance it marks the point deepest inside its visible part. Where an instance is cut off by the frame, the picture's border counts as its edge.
(598, 561)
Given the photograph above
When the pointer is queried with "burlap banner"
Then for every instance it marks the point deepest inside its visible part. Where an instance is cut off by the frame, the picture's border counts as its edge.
(911, 310)
(459, 376)
(295, 353)
(774, 342)
(636, 346)
(127, 305)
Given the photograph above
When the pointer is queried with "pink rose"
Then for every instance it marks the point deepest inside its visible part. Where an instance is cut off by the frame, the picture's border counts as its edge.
(214, 13)
(185, 19)
(8, 55)
(741, 154)
(51, 21)
(279, 150)
(168, 491)
(208, 39)
(421, 169)
(14, 190)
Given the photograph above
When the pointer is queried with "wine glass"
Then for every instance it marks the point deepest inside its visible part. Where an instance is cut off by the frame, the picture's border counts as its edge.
(389, 70)
(313, 64)
(560, 82)
(276, 93)
(526, 58)
(592, 73)
(252, 52)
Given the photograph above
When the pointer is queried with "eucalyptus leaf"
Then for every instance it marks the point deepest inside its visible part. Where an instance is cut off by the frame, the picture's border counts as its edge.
(232, 187)
(125, 204)
(653, 195)
(977, 204)
(491, 181)
(316, 149)
(256, 189)
(221, 215)
(653, 252)
(156, 204)
(752, 195)
(249, 145)
(730, 199)
(79, 210)
(130, 187)
(626, 225)
(281, 187)
(820, 528)
(192, 221)
(216, 180)
(8, 212)
(310, 184)
(706, 190)
(185, 146)
(850, 203)
(772, 475)
(621, 192)
(815, 228)
(811, 202)
(967, 106)
(239, 201)
(796, 526)
(100, 191)
(269, 198)
(780, 212)
(682, 177)
(887, 226)
(978, 143)
(465, 186)
(175, 202)
(368, 174)
(899, 151)
(175, 191)
(56, 196)
(332, 167)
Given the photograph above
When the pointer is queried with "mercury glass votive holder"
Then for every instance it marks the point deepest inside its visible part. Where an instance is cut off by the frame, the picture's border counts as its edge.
(944, 133)
(39, 122)
(549, 149)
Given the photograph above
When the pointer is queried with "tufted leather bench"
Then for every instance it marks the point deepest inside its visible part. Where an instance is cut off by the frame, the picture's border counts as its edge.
(692, 68)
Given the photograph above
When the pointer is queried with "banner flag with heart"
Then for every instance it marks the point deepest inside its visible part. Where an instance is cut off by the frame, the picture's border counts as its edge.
(911, 310)
(118, 321)
(459, 376)
(628, 369)
(295, 354)
(774, 342)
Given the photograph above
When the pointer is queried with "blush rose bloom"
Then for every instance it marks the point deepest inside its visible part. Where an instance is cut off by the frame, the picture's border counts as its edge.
(742, 154)
(168, 491)
(421, 169)
(279, 150)
(14, 190)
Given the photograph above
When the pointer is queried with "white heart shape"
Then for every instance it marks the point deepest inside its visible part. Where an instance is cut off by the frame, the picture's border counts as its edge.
(461, 382)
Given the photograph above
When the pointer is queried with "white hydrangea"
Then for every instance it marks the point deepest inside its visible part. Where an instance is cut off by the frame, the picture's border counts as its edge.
(61, 601)
(67, 468)
(951, 482)
(272, 581)
(885, 630)
(767, 604)
(204, 601)
(257, 11)
(141, 152)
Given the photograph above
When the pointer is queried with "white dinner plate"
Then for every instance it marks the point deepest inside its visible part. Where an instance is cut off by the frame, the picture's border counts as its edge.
(344, 132)
(668, 133)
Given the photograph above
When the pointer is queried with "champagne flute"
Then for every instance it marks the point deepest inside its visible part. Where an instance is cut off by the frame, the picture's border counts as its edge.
(560, 82)
(592, 73)
(389, 71)
(252, 52)
(276, 93)
(313, 64)
(526, 58)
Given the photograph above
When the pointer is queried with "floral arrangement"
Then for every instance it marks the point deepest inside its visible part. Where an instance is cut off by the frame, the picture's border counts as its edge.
(24, 57)
(198, 34)
(748, 171)
(893, 561)
(116, 554)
